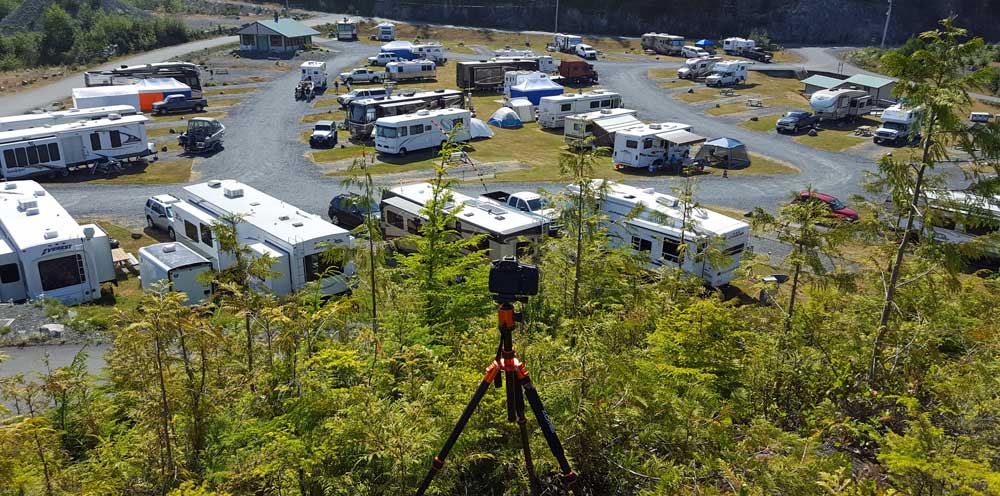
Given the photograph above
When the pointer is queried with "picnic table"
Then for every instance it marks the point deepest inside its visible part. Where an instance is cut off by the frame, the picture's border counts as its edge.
(727, 92)
(123, 261)
(754, 102)
(863, 131)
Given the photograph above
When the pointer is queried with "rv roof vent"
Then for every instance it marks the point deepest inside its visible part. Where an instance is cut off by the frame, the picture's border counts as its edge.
(233, 192)
(701, 213)
(214, 183)
(297, 224)
(51, 233)
(468, 214)
(284, 217)
(114, 117)
(424, 112)
(88, 232)
(169, 248)
(26, 203)
(499, 217)
(629, 196)
(31, 211)
(654, 126)
(605, 111)
(9, 185)
(39, 193)
(254, 204)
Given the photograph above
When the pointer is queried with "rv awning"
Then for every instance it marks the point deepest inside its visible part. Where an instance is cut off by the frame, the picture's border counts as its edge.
(403, 104)
(681, 137)
(657, 228)
(614, 123)
(404, 205)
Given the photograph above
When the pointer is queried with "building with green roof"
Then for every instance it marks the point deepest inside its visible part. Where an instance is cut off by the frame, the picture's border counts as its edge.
(277, 36)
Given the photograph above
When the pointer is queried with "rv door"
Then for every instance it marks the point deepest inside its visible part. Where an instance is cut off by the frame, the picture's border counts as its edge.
(11, 278)
(72, 150)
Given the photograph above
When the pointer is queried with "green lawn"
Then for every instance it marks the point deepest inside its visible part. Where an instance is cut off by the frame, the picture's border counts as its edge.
(159, 172)
(837, 139)
(774, 92)
(159, 131)
(763, 124)
(675, 83)
(661, 73)
(698, 96)
(229, 91)
(330, 115)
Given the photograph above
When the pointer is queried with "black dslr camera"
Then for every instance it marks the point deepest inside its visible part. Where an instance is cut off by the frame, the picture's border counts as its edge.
(511, 280)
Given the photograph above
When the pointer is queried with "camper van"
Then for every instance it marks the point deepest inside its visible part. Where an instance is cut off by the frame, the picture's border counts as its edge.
(400, 134)
(488, 75)
(63, 148)
(44, 253)
(432, 51)
(294, 239)
(900, 125)
(362, 114)
(385, 31)
(347, 30)
(508, 232)
(27, 121)
(728, 73)
(654, 146)
(662, 43)
(552, 110)
(697, 68)
(174, 267)
(655, 232)
(546, 63)
(315, 71)
(601, 125)
(410, 70)
(841, 103)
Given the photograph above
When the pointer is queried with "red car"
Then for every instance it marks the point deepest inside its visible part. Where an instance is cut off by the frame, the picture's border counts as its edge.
(837, 207)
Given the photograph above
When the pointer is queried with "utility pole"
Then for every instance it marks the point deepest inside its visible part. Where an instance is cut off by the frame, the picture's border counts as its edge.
(556, 29)
(885, 29)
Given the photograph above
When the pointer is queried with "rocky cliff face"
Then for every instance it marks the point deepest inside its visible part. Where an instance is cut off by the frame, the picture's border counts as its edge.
(788, 21)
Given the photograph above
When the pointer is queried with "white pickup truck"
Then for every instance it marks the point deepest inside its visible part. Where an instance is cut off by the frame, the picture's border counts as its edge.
(362, 75)
(532, 204)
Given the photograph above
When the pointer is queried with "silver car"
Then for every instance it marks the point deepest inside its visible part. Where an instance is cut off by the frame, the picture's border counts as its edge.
(160, 213)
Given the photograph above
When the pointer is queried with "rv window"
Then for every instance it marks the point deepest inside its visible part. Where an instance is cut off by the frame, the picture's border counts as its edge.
(566, 107)
(9, 273)
(394, 219)
(22, 157)
(385, 132)
(639, 244)
(191, 231)
(734, 250)
(589, 128)
(605, 103)
(8, 158)
(428, 128)
(32, 155)
(631, 144)
(43, 153)
(414, 130)
(457, 122)
(671, 249)
(95, 141)
(413, 226)
(116, 139)
(53, 151)
(320, 265)
(427, 67)
(206, 234)
(647, 143)
(402, 131)
(61, 272)
(595, 104)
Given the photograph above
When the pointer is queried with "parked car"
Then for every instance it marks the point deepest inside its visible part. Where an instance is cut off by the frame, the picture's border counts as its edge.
(795, 121)
(360, 94)
(837, 207)
(362, 75)
(324, 134)
(347, 210)
(160, 214)
(179, 103)
(383, 59)
(758, 54)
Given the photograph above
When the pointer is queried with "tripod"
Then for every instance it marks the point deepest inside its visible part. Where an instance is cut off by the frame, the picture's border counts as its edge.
(518, 387)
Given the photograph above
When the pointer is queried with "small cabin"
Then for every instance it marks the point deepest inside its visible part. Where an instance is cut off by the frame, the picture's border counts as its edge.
(276, 36)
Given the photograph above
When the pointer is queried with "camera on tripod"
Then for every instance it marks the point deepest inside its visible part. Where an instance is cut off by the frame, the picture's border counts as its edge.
(511, 280)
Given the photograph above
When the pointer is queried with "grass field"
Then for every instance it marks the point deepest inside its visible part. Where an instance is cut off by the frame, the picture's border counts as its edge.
(763, 124)
(786, 57)
(181, 117)
(159, 131)
(837, 139)
(159, 172)
(675, 83)
(230, 91)
(662, 73)
(330, 115)
(698, 96)
(774, 92)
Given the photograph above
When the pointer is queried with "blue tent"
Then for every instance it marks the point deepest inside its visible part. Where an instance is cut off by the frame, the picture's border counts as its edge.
(402, 49)
(505, 118)
(535, 89)
(704, 43)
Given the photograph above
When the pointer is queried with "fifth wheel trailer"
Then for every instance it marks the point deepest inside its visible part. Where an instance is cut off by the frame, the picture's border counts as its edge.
(44, 253)
(362, 114)
(488, 75)
(27, 121)
(841, 103)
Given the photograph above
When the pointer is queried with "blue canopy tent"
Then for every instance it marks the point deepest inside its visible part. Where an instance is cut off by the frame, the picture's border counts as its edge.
(724, 152)
(402, 49)
(535, 89)
(505, 118)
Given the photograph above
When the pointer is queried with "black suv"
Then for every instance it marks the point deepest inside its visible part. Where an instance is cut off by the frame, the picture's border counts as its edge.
(346, 210)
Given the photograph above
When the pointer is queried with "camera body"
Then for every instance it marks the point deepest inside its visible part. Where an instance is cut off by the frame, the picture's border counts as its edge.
(513, 280)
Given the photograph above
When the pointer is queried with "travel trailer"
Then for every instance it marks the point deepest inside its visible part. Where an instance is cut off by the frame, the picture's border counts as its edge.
(654, 146)
(347, 30)
(44, 253)
(488, 75)
(433, 51)
(184, 72)
(410, 70)
(736, 46)
(401, 134)
(294, 239)
(662, 43)
(900, 125)
(656, 231)
(514, 52)
(63, 148)
(362, 114)
(174, 267)
(728, 73)
(840, 103)
(507, 231)
(600, 125)
(315, 72)
(546, 63)
(27, 121)
(566, 42)
(552, 110)
(385, 31)
(698, 68)
(959, 217)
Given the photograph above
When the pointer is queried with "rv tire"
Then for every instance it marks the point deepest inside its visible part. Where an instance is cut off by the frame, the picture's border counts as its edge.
(171, 234)
(149, 222)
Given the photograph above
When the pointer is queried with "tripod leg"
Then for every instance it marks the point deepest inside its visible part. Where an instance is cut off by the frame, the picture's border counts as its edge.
(548, 430)
(438, 462)
(522, 424)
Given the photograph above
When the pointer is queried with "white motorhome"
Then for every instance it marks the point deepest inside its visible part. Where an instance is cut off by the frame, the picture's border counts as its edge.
(44, 253)
(654, 146)
(405, 70)
(840, 103)
(728, 73)
(900, 125)
(430, 51)
(663, 43)
(60, 149)
(736, 46)
(696, 68)
(27, 121)
(347, 30)
(385, 31)
(566, 42)
(401, 134)
(552, 110)
(546, 63)
(959, 217)
(315, 71)
(174, 267)
(656, 231)
(508, 231)
(599, 124)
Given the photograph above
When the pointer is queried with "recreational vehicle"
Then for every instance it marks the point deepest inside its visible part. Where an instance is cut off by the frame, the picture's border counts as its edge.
(385, 31)
(296, 241)
(514, 52)
(959, 217)
(362, 114)
(60, 149)
(507, 231)
(841, 103)
(662, 43)
(27, 121)
(433, 51)
(400, 134)
(566, 42)
(44, 253)
(900, 125)
(488, 75)
(552, 110)
(347, 30)
(728, 73)
(184, 72)
(546, 63)
(174, 267)
(600, 126)
(410, 70)
(314, 71)
(697, 68)
(654, 146)
(736, 46)
(658, 228)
